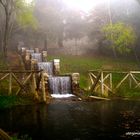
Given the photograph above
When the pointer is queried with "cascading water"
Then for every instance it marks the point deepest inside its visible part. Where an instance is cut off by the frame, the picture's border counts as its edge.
(37, 56)
(30, 51)
(60, 86)
(46, 66)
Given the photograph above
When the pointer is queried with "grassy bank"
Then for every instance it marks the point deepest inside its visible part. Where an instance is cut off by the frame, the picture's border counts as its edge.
(9, 101)
(83, 64)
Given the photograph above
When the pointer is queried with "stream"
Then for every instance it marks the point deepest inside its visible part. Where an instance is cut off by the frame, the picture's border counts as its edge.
(74, 120)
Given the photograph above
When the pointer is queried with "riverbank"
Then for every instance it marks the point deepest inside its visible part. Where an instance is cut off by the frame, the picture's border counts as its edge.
(10, 101)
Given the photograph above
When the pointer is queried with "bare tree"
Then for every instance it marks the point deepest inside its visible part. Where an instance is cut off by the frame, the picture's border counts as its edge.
(9, 8)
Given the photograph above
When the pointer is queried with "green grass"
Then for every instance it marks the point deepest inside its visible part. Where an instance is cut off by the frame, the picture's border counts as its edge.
(70, 64)
(9, 101)
(82, 64)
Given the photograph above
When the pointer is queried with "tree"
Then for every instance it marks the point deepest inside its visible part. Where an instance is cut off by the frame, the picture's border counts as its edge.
(50, 16)
(122, 37)
(15, 11)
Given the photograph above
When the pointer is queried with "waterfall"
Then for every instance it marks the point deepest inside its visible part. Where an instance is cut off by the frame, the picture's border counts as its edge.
(37, 56)
(30, 51)
(54, 85)
(46, 66)
(60, 86)
(65, 83)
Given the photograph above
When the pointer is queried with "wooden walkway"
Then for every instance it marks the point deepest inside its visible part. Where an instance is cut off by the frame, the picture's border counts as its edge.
(110, 81)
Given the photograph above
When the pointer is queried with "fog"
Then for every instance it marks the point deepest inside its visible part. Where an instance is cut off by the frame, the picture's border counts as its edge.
(75, 27)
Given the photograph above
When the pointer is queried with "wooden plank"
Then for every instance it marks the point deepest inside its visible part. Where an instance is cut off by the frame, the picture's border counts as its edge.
(92, 81)
(20, 71)
(96, 82)
(4, 77)
(10, 84)
(130, 81)
(102, 82)
(119, 84)
(123, 72)
(34, 86)
(93, 75)
(134, 79)
(106, 77)
(111, 85)
(4, 135)
(43, 88)
(19, 83)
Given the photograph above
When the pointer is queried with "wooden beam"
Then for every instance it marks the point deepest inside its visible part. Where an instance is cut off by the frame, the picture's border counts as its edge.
(96, 82)
(43, 87)
(111, 85)
(102, 82)
(10, 83)
(24, 82)
(4, 77)
(119, 84)
(91, 79)
(20, 71)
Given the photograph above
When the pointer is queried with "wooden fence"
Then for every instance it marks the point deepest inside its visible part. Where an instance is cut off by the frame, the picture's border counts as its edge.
(26, 81)
(110, 81)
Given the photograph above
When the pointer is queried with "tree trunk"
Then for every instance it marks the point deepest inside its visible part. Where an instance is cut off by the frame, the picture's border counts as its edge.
(6, 33)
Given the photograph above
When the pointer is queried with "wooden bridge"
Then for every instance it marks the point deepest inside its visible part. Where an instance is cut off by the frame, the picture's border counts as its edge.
(110, 81)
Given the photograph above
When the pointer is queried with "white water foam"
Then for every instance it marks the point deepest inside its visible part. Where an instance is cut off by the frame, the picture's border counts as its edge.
(62, 95)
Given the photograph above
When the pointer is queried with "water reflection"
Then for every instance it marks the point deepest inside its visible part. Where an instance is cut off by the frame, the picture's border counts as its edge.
(74, 120)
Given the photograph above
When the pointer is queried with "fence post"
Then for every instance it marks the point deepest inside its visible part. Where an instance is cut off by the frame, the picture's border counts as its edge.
(75, 82)
(130, 80)
(34, 86)
(102, 83)
(10, 83)
(43, 87)
(111, 87)
(56, 66)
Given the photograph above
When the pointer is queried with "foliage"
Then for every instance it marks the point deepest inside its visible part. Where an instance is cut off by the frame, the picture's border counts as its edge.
(9, 101)
(14, 12)
(122, 37)
(25, 15)
(23, 137)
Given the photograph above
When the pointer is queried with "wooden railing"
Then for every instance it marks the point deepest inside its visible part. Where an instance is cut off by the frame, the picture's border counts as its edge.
(110, 81)
(26, 81)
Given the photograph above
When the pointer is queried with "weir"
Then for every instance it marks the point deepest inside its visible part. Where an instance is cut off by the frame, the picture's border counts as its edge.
(37, 56)
(46, 66)
(60, 86)
(51, 82)
(30, 51)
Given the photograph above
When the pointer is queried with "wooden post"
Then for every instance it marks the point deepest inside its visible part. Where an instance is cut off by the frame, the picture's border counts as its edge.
(10, 83)
(75, 82)
(28, 61)
(56, 66)
(111, 86)
(75, 78)
(44, 56)
(43, 87)
(36, 50)
(23, 51)
(130, 80)
(34, 64)
(102, 83)
(34, 86)
(4, 135)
